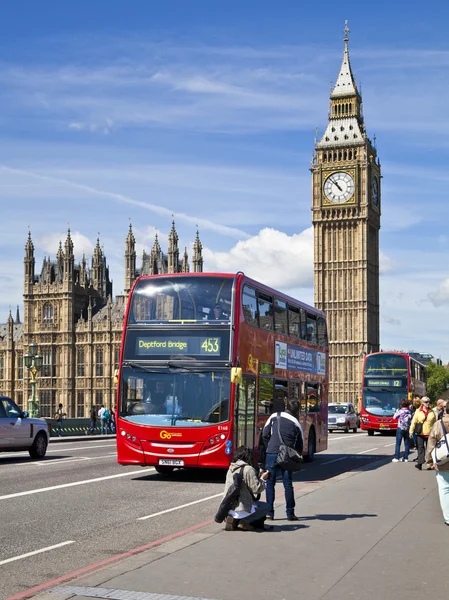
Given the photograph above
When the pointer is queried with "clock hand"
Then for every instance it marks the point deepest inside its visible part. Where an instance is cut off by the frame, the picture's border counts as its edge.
(335, 184)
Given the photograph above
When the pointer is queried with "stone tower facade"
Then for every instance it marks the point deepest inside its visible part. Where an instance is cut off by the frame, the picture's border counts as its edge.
(346, 208)
(70, 313)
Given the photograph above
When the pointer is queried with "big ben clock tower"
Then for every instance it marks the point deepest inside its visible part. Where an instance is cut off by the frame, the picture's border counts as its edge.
(346, 219)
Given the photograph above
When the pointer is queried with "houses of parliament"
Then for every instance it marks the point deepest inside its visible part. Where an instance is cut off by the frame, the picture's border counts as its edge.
(69, 312)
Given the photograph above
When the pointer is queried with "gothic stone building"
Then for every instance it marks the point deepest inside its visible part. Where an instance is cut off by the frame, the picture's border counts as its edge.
(346, 219)
(70, 314)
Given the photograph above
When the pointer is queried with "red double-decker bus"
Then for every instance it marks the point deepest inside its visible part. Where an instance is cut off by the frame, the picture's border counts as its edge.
(388, 378)
(204, 358)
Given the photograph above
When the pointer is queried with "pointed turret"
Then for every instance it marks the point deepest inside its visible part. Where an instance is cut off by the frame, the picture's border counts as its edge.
(346, 126)
(18, 316)
(60, 254)
(83, 272)
(185, 268)
(97, 268)
(173, 250)
(345, 84)
(29, 262)
(197, 254)
(69, 259)
(130, 260)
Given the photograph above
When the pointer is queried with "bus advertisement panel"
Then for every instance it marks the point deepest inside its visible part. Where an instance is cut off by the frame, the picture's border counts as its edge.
(388, 378)
(205, 359)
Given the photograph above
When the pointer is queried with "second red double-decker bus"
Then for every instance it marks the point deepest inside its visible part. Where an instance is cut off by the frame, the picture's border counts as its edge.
(204, 359)
(388, 378)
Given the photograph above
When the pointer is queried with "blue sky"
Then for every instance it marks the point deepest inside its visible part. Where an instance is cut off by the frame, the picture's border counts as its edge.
(111, 111)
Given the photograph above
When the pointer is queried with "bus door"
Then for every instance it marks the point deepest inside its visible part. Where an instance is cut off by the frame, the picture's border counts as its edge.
(245, 412)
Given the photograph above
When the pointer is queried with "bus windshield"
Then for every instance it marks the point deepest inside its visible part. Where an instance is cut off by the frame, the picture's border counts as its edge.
(175, 398)
(383, 402)
(200, 299)
(385, 365)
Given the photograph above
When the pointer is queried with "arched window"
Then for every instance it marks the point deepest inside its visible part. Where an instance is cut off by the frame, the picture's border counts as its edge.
(80, 368)
(99, 362)
(48, 313)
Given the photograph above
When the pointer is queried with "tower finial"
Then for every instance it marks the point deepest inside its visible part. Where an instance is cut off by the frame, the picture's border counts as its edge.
(346, 31)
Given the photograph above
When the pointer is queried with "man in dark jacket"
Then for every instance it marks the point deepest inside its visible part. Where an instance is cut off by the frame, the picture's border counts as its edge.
(292, 436)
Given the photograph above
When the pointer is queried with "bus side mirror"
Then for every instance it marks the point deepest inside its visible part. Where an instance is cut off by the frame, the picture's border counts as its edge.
(236, 375)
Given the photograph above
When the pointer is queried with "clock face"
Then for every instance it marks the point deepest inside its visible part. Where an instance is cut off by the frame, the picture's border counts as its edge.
(375, 191)
(339, 187)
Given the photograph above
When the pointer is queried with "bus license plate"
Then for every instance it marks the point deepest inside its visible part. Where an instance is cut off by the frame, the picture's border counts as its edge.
(173, 462)
(385, 426)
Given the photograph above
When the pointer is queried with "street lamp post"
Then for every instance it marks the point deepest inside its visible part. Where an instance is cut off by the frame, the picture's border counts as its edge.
(33, 362)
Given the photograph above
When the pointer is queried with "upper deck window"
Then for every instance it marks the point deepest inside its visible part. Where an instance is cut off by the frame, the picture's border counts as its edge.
(385, 365)
(280, 316)
(200, 299)
(265, 307)
(249, 303)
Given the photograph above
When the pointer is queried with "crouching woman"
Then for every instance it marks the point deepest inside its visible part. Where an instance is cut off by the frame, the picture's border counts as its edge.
(249, 513)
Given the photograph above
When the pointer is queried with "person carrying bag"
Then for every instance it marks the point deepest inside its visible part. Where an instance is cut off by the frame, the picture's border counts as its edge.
(287, 458)
(421, 425)
(438, 459)
(283, 439)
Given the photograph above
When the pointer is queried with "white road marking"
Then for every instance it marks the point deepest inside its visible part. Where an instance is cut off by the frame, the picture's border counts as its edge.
(60, 450)
(343, 437)
(14, 558)
(393, 444)
(50, 463)
(334, 460)
(370, 450)
(75, 483)
(163, 512)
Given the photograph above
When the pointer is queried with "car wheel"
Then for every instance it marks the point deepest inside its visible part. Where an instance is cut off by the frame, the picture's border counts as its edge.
(354, 430)
(370, 432)
(39, 447)
(330, 430)
(311, 446)
(164, 470)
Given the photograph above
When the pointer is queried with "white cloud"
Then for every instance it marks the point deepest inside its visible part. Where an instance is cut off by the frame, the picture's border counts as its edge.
(271, 256)
(385, 263)
(50, 243)
(440, 297)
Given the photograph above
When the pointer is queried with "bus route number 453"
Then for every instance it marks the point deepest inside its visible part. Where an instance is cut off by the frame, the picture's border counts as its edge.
(211, 346)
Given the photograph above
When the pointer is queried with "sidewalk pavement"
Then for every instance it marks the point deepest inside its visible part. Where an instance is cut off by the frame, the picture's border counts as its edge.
(368, 534)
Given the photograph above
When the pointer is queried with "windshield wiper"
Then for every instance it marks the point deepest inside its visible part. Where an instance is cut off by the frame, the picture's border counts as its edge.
(134, 365)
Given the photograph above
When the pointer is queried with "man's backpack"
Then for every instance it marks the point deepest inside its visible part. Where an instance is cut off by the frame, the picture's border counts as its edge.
(231, 498)
(106, 414)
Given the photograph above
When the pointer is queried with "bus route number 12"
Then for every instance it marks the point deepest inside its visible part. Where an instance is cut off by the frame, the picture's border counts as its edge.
(211, 346)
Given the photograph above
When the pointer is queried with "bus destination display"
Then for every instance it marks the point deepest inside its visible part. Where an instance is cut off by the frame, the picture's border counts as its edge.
(385, 382)
(174, 344)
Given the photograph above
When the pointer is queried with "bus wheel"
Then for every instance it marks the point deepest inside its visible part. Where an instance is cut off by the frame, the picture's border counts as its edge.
(310, 446)
(370, 432)
(164, 470)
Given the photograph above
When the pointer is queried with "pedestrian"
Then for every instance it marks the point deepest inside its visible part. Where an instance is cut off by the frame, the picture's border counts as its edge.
(249, 514)
(112, 420)
(93, 420)
(103, 415)
(422, 423)
(60, 414)
(414, 405)
(404, 417)
(292, 436)
(439, 408)
(440, 428)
